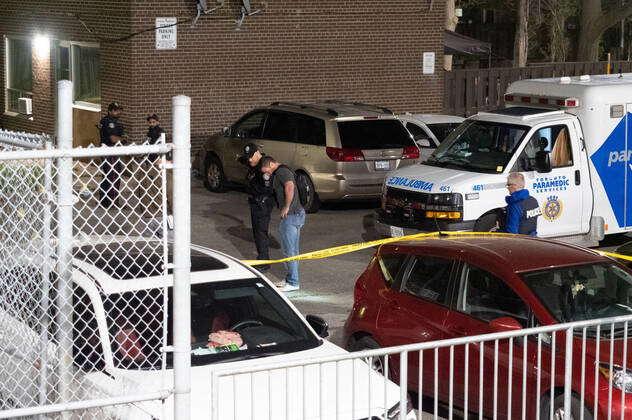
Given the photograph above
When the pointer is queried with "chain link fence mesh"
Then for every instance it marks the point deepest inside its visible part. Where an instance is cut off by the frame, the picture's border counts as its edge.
(116, 323)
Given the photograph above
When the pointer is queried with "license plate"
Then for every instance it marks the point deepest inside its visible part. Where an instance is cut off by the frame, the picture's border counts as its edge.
(382, 165)
(397, 231)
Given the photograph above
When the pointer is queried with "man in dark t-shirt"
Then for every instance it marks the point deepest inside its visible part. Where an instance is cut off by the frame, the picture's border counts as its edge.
(292, 215)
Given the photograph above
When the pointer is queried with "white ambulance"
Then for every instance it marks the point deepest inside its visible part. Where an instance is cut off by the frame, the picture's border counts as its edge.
(570, 137)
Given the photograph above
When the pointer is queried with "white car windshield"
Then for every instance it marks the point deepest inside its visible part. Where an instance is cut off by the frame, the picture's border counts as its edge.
(230, 320)
(479, 146)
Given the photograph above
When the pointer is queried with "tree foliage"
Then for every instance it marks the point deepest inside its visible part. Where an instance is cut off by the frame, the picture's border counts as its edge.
(548, 35)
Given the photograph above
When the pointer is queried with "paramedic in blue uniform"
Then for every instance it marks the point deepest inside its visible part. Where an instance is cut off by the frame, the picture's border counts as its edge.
(111, 167)
(261, 200)
(522, 210)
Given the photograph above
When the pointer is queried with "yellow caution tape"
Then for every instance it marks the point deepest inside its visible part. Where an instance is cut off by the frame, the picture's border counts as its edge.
(344, 249)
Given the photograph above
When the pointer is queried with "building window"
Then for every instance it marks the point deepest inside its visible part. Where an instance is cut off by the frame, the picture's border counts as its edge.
(19, 72)
(80, 63)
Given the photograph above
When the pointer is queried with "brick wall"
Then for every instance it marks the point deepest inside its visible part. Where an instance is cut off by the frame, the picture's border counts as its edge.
(295, 50)
(62, 20)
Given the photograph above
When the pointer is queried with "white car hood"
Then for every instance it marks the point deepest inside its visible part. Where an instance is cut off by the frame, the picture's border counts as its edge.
(311, 392)
(426, 178)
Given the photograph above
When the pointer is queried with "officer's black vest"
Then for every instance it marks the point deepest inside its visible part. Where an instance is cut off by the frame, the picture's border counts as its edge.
(530, 213)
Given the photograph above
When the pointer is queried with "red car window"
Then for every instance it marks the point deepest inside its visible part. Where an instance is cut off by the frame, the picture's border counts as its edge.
(486, 297)
(429, 279)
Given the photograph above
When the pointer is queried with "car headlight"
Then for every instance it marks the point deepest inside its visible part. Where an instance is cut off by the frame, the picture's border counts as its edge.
(444, 201)
(621, 378)
(393, 412)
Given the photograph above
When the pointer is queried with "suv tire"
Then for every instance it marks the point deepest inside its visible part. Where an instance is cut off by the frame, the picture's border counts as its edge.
(214, 179)
(313, 202)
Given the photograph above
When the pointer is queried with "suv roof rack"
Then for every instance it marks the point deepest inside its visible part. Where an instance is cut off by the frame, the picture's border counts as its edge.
(305, 106)
(360, 105)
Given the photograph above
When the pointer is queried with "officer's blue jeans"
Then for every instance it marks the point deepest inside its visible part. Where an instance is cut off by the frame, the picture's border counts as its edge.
(290, 232)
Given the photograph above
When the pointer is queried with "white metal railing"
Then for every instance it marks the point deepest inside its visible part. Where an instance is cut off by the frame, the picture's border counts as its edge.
(73, 221)
(515, 374)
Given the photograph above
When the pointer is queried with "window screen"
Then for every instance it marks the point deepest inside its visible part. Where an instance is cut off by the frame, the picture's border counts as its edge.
(19, 72)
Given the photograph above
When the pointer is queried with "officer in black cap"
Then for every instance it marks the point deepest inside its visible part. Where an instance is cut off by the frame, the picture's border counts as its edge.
(261, 201)
(111, 167)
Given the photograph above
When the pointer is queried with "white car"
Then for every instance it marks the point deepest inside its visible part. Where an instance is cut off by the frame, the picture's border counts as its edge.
(429, 130)
(117, 336)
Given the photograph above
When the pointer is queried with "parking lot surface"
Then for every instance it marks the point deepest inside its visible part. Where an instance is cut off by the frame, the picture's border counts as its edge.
(222, 221)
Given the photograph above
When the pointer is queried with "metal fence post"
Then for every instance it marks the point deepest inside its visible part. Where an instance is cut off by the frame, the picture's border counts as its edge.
(568, 366)
(46, 271)
(65, 239)
(182, 256)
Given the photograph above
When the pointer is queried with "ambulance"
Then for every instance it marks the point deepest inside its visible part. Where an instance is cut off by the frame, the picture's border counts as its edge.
(571, 138)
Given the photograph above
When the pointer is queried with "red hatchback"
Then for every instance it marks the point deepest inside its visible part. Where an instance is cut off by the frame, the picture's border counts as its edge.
(453, 287)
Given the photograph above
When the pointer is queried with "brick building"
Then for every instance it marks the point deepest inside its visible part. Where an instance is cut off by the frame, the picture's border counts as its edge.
(291, 50)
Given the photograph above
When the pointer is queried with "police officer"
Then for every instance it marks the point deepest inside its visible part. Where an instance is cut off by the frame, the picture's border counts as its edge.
(522, 210)
(111, 133)
(261, 201)
(154, 132)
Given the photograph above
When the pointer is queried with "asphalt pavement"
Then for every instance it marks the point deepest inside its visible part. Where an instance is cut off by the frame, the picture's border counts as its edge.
(222, 221)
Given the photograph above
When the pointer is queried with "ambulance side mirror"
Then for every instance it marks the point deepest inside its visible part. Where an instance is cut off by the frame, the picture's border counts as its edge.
(542, 161)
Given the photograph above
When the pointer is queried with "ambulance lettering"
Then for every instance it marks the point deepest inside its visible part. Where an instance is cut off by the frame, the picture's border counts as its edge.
(621, 156)
(411, 183)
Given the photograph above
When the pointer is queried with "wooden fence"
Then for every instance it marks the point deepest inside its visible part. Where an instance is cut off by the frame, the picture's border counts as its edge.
(467, 92)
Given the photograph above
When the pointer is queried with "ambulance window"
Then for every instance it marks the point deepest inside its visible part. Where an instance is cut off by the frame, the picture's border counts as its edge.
(559, 147)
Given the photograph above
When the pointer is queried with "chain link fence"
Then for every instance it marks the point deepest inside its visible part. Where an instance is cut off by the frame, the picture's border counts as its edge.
(86, 266)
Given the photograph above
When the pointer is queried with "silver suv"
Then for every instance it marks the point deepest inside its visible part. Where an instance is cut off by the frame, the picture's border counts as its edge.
(339, 150)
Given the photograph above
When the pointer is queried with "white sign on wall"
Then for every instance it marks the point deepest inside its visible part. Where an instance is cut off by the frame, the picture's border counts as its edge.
(166, 35)
(429, 63)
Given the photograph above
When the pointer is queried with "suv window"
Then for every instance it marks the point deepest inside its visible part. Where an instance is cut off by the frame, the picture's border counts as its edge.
(373, 134)
(429, 279)
(249, 126)
(441, 131)
(486, 297)
(280, 126)
(416, 131)
(390, 265)
(311, 130)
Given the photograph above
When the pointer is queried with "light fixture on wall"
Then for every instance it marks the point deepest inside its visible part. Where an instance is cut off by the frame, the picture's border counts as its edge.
(41, 45)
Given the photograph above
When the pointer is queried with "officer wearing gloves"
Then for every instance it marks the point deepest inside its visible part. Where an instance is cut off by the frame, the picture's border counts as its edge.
(261, 201)
(522, 210)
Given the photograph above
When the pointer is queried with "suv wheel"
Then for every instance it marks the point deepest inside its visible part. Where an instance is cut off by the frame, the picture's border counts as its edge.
(214, 179)
(313, 202)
